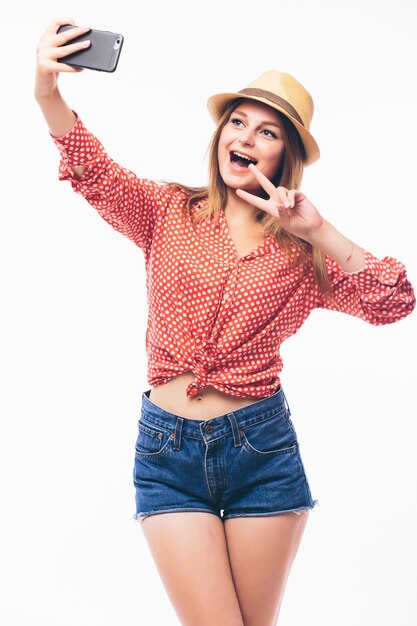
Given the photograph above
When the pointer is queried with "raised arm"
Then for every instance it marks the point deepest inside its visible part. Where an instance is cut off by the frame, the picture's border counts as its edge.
(130, 204)
(59, 118)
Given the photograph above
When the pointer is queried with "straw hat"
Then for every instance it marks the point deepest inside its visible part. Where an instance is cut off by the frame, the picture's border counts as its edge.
(282, 92)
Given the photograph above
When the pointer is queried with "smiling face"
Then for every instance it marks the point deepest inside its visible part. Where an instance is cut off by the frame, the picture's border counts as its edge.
(253, 133)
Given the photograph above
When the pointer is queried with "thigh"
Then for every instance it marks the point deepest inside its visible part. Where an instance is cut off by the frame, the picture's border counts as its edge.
(261, 552)
(190, 552)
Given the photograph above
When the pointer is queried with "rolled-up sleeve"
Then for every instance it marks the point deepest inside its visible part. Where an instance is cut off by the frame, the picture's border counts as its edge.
(128, 203)
(379, 293)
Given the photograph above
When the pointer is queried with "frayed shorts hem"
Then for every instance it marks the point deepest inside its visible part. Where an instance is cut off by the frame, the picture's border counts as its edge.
(297, 510)
(139, 517)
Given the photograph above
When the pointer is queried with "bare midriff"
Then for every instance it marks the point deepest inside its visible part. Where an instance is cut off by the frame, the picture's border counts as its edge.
(208, 403)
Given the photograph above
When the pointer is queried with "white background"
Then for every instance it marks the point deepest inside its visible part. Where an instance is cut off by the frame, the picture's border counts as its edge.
(74, 306)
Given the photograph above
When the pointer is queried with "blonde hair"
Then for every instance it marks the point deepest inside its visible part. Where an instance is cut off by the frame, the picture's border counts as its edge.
(289, 175)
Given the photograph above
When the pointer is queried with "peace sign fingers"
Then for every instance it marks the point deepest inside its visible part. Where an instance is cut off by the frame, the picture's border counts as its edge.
(280, 197)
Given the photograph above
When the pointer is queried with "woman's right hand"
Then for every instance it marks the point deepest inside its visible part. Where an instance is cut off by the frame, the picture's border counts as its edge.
(48, 51)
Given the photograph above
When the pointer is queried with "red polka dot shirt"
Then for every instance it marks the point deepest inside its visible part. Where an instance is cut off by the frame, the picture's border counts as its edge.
(220, 316)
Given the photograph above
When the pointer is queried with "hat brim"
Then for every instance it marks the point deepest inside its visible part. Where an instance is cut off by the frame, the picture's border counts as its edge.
(216, 105)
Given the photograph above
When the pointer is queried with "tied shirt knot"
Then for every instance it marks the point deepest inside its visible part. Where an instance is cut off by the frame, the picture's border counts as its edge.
(204, 356)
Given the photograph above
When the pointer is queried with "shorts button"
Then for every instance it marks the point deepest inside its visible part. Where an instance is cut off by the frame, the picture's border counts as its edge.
(209, 429)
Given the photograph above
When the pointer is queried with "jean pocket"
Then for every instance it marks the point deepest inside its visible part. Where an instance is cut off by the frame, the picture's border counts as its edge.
(272, 436)
(151, 440)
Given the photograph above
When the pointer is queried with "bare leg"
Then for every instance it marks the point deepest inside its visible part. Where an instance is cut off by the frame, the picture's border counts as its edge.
(261, 551)
(190, 552)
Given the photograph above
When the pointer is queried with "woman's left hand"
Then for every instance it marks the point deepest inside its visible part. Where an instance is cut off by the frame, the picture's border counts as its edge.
(296, 214)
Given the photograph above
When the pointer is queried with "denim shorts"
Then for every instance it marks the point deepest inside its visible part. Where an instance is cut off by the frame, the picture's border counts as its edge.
(243, 463)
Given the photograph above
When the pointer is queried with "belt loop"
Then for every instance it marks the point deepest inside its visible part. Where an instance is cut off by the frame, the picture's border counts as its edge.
(286, 403)
(235, 429)
(178, 431)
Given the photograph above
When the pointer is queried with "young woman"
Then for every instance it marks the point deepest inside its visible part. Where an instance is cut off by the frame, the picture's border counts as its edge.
(233, 269)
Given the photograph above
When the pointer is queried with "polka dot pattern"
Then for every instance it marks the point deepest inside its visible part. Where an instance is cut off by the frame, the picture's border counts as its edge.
(379, 293)
(220, 316)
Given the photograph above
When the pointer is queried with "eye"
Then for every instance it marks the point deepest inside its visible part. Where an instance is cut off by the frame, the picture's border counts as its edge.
(271, 133)
(236, 121)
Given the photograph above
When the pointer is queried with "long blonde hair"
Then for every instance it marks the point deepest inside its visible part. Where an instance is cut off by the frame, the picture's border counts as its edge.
(289, 175)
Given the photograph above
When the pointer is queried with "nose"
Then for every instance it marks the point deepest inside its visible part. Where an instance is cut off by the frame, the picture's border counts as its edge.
(246, 137)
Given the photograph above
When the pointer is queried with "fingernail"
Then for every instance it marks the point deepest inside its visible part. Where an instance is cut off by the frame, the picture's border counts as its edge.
(287, 204)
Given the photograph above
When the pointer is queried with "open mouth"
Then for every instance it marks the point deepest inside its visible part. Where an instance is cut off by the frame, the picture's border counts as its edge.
(240, 159)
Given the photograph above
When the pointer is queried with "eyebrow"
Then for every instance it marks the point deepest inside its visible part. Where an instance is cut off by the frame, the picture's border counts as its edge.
(268, 123)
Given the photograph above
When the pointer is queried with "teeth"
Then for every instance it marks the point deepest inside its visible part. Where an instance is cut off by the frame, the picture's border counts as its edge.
(243, 156)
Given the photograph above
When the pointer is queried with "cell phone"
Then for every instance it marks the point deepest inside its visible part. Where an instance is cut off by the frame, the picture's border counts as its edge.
(102, 54)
